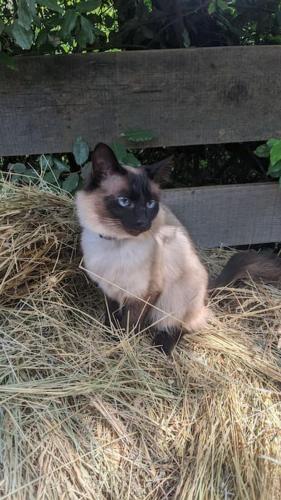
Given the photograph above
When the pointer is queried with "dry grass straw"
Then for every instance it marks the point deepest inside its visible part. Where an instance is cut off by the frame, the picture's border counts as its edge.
(86, 416)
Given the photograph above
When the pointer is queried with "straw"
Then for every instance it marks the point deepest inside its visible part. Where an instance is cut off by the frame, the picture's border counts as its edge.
(85, 414)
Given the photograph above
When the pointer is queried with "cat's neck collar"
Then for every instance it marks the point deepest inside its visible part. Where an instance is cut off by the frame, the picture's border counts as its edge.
(107, 237)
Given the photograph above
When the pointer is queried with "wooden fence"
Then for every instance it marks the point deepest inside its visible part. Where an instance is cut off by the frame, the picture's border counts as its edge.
(185, 96)
(229, 215)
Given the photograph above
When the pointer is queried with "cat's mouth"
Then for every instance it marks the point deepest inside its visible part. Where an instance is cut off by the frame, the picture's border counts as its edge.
(138, 231)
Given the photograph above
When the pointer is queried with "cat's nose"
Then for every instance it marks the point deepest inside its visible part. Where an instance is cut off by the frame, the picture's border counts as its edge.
(142, 224)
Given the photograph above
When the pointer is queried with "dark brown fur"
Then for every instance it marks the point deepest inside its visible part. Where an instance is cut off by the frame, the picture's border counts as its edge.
(245, 264)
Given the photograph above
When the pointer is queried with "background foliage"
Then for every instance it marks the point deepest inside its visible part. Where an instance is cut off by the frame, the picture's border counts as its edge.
(70, 26)
(64, 26)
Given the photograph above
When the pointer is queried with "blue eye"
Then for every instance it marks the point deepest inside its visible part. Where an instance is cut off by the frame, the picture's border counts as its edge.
(151, 204)
(123, 201)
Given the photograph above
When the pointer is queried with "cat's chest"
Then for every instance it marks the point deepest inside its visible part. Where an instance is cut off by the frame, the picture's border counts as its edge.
(120, 268)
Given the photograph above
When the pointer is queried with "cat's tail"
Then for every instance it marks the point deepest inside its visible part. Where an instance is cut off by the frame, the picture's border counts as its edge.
(245, 264)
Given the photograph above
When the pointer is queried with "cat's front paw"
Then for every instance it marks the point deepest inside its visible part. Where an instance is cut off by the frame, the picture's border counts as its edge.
(164, 342)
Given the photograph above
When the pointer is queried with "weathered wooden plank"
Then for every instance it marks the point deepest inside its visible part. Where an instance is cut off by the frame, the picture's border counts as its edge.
(186, 96)
(242, 214)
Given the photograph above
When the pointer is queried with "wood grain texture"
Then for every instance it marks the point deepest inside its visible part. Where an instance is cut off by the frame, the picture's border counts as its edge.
(185, 96)
(242, 214)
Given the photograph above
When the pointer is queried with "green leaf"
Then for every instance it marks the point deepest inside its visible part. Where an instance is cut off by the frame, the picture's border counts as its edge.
(148, 4)
(69, 22)
(46, 162)
(271, 142)
(125, 157)
(23, 37)
(275, 175)
(17, 178)
(17, 168)
(186, 38)
(31, 173)
(203, 163)
(138, 135)
(222, 4)
(212, 7)
(52, 177)
(51, 4)
(120, 151)
(275, 153)
(81, 151)
(71, 182)
(275, 170)
(26, 12)
(86, 170)
(61, 166)
(86, 34)
(131, 160)
(31, 4)
(88, 5)
(262, 151)
(8, 61)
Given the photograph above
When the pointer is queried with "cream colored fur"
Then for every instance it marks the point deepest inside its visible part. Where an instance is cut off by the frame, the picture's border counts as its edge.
(161, 262)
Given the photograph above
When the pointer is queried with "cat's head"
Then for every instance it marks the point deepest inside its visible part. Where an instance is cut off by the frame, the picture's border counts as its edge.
(119, 201)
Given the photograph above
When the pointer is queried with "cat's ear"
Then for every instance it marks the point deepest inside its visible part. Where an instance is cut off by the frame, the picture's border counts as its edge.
(105, 162)
(159, 171)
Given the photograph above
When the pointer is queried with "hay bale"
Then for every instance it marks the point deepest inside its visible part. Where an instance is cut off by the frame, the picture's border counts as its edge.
(86, 416)
(38, 236)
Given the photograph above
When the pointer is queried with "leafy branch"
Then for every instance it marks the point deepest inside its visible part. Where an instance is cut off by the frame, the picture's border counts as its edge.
(271, 150)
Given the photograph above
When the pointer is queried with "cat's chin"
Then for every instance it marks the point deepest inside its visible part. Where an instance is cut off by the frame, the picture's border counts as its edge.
(137, 233)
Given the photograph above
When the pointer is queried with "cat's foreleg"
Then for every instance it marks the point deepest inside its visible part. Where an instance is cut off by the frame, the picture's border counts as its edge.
(113, 313)
(166, 339)
(135, 312)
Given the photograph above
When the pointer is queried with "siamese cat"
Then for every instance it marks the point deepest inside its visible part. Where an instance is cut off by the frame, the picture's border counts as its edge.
(142, 257)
